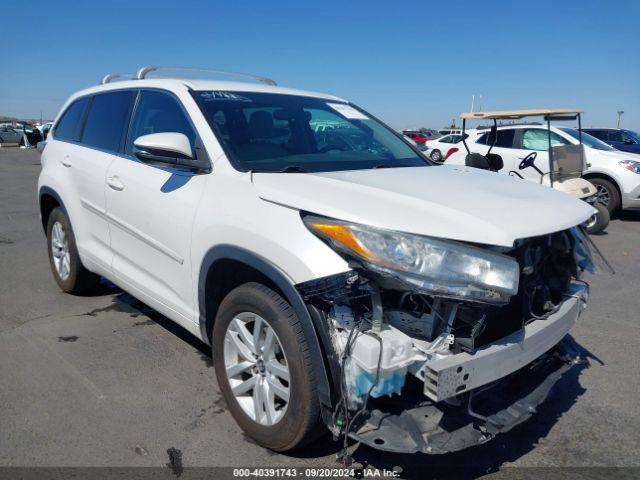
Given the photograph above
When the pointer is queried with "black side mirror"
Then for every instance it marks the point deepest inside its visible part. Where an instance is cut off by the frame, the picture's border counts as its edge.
(171, 158)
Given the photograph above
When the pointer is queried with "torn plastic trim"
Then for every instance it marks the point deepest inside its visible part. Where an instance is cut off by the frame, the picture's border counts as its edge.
(437, 428)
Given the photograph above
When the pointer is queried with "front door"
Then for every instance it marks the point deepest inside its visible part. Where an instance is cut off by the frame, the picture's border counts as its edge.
(151, 210)
(535, 140)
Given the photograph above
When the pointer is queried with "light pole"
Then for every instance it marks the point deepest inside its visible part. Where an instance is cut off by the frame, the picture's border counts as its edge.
(620, 112)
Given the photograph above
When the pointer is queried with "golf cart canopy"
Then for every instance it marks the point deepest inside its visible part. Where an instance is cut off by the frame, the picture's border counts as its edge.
(517, 114)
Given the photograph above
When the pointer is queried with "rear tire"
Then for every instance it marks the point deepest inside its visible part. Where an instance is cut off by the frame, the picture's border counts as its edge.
(599, 221)
(608, 194)
(436, 155)
(298, 421)
(66, 266)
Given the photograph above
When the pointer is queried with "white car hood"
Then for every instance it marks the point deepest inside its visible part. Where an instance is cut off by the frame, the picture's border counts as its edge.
(612, 154)
(452, 202)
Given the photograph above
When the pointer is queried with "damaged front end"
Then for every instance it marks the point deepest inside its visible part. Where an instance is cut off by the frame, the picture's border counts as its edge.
(423, 336)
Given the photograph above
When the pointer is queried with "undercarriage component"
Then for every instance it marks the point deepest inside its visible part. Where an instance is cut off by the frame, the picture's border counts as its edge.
(439, 428)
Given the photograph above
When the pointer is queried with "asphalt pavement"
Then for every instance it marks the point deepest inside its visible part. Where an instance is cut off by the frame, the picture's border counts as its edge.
(103, 380)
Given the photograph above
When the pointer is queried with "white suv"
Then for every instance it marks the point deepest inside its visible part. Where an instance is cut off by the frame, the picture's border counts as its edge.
(339, 277)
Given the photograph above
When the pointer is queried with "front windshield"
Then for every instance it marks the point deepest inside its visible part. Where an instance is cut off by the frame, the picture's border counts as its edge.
(587, 139)
(275, 132)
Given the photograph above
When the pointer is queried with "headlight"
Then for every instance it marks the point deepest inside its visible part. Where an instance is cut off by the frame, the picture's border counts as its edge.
(437, 266)
(631, 165)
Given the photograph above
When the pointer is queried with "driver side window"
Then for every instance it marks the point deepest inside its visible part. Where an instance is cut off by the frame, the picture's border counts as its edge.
(158, 112)
(538, 139)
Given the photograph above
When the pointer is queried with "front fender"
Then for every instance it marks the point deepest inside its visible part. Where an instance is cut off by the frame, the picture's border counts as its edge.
(286, 286)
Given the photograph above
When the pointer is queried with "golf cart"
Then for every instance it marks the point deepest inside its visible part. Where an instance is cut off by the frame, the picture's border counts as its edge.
(566, 163)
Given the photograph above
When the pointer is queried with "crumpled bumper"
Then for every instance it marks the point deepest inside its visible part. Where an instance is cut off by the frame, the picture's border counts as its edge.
(437, 428)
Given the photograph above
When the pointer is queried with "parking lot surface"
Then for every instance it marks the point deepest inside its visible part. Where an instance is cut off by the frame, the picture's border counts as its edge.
(102, 380)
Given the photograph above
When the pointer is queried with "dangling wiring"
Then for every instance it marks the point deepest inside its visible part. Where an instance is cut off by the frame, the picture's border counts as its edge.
(342, 415)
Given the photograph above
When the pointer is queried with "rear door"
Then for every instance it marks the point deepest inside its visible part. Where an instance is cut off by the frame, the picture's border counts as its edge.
(83, 143)
(151, 208)
(100, 139)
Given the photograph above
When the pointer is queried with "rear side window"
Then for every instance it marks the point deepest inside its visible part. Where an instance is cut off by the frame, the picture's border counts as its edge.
(107, 120)
(158, 112)
(68, 127)
(504, 138)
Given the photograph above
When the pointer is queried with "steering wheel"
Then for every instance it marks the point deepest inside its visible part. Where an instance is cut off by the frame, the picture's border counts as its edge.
(328, 148)
(528, 161)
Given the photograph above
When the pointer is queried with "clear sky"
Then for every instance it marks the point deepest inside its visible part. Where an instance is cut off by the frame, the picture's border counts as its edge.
(410, 63)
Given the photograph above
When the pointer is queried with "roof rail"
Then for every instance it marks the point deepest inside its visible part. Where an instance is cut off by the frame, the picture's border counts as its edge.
(142, 73)
(112, 76)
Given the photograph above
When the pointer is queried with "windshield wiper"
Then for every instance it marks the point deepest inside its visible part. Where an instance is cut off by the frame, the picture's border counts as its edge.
(288, 169)
(385, 166)
(294, 169)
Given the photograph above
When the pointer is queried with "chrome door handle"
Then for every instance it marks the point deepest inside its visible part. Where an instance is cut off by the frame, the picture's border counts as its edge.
(115, 183)
(66, 161)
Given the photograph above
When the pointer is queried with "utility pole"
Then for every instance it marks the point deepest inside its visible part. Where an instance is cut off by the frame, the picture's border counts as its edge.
(620, 112)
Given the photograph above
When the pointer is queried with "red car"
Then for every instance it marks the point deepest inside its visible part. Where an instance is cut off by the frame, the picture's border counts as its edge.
(418, 137)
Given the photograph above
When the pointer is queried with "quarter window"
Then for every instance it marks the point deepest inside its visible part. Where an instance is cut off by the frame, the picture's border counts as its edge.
(68, 127)
(107, 120)
(158, 112)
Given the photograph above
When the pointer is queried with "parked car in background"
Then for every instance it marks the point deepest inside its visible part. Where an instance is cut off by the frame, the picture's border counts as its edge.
(9, 136)
(615, 174)
(441, 148)
(450, 131)
(31, 135)
(625, 140)
(431, 132)
(44, 129)
(418, 137)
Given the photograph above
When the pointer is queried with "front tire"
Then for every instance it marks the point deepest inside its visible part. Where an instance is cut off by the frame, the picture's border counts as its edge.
(264, 368)
(66, 266)
(608, 194)
(436, 155)
(599, 221)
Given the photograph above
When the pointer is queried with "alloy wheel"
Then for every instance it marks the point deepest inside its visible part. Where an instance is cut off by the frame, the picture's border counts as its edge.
(256, 368)
(60, 251)
(603, 195)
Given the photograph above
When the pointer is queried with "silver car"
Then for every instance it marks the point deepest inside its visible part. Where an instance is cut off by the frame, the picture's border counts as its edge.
(9, 136)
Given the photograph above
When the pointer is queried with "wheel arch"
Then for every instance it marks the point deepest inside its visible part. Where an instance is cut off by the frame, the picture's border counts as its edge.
(605, 176)
(48, 200)
(225, 267)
